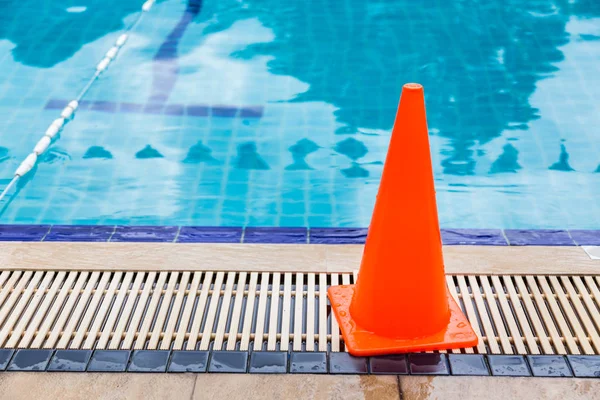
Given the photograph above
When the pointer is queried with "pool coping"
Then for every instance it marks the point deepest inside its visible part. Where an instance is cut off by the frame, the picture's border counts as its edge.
(309, 258)
(284, 235)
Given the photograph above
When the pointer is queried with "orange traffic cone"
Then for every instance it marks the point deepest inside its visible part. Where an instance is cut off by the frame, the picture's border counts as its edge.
(400, 302)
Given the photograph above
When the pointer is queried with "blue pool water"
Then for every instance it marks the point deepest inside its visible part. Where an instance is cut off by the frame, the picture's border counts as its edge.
(278, 113)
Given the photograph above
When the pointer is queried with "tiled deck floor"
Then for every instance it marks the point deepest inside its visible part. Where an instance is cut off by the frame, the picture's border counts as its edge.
(68, 386)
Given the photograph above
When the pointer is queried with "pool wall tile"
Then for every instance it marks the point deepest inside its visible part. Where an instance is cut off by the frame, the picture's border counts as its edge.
(70, 361)
(585, 237)
(228, 362)
(276, 235)
(24, 233)
(268, 362)
(79, 233)
(487, 237)
(539, 237)
(290, 235)
(145, 234)
(337, 235)
(30, 360)
(189, 361)
(199, 234)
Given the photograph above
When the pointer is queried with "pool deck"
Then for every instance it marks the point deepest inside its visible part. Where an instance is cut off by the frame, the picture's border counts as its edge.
(499, 260)
(228, 387)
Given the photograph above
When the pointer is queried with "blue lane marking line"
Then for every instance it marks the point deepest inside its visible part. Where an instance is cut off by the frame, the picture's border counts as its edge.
(277, 362)
(276, 235)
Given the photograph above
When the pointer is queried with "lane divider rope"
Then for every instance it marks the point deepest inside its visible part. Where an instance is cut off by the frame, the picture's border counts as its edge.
(67, 113)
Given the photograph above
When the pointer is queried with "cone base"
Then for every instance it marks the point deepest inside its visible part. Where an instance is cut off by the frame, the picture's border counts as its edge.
(360, 342)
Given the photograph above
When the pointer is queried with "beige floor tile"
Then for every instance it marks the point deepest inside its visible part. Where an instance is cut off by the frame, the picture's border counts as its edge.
(67, 386)
(256, 387)
(492, 388)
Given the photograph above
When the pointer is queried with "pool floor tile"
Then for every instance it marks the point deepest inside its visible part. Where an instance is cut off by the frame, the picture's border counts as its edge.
(394, 364)
(468, 364)
(70, 360)
(428, 364)
(228, 362)
(149, 361)
(345, 363)
(549, 366)
(308, 363)
(5, 356)
(189, 361)
(503, 365)
(109, 361)
(30, 360)
(268, 362)
(585, 366)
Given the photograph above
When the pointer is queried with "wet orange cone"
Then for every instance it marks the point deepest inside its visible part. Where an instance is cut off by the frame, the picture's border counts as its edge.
(400, 302)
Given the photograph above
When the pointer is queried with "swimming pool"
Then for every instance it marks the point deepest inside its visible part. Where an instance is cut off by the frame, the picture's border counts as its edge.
(270, 113)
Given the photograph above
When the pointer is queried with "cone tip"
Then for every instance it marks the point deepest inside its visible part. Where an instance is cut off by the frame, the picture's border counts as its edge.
(413, 86)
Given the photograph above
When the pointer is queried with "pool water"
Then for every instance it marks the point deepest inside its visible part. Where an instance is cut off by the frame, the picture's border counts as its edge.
(278, 113)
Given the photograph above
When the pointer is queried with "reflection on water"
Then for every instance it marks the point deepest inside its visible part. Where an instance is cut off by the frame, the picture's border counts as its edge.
(267, 112)
(54, 24)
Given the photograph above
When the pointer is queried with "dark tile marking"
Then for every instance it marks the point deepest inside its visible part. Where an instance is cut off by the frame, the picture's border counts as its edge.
(30, 360)
(308, 363)
(268, 362)
(468, 364)
(189, 361)
(5, 356)
(70, 361)
(109, 361)
(345, 363)
(549, 366)
(228, 362)
(428, 364)
(585, 366)
(149, 361)
(503, 365)
(394, 364)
